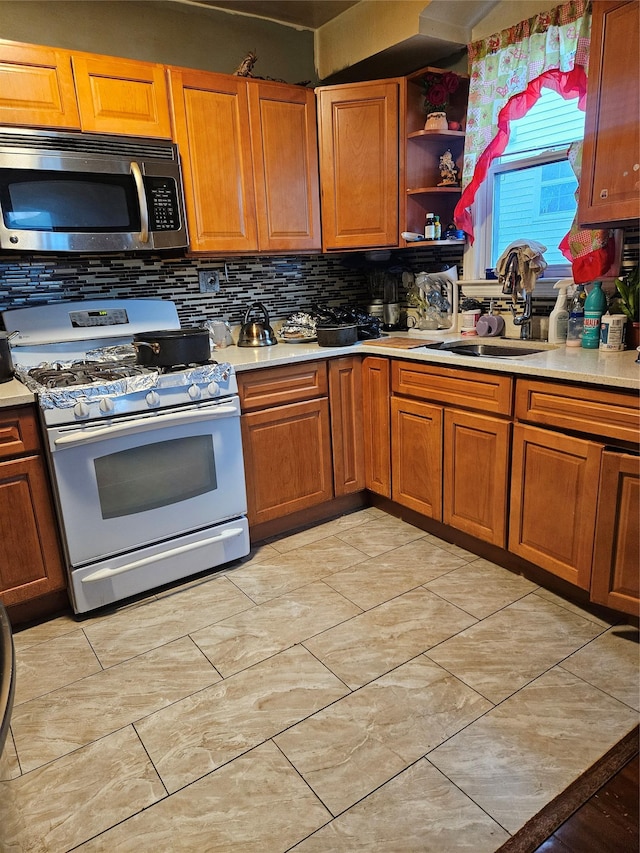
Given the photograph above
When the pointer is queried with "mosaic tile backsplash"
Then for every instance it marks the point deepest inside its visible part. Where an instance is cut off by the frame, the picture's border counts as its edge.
(284, 284)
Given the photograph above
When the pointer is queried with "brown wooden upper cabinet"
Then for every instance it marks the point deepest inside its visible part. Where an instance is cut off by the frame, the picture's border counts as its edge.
(285, 161)
(249, 151)
(358, 128)
(610, 182)
(121, 96)
(211, 127)
(45, 87)
(36, 87)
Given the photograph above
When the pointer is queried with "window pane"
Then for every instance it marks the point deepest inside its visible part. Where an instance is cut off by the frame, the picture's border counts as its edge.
(534, 203)
(551, 122)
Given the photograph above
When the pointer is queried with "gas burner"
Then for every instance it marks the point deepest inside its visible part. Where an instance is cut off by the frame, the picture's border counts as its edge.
(180, 368)
(84, 373)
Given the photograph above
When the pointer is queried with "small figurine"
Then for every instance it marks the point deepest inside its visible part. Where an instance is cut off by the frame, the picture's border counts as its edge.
(246, 66)
(448, 171)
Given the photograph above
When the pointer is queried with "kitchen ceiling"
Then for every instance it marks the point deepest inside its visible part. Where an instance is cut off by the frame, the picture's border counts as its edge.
(302, 13)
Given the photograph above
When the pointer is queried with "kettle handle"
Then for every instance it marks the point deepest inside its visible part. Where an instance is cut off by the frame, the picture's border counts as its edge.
(261, 307)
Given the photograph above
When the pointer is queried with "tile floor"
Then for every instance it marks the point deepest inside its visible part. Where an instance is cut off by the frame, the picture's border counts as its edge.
(359, 686)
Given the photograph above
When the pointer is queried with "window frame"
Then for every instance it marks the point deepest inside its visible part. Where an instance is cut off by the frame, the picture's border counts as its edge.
(477, 258)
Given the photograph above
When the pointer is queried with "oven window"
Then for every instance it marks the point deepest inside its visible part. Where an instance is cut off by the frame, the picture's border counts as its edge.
(155, 475)
(68, 202)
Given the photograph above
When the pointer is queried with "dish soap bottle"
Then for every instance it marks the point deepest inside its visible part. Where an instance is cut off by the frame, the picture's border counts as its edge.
(559, 317)
(576, 317)
(594, 307)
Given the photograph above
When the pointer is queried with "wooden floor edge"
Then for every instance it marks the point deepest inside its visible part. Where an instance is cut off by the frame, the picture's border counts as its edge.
(555, 813)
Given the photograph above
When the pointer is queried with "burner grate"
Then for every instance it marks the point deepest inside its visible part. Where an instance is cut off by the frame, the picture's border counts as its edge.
(84, 373)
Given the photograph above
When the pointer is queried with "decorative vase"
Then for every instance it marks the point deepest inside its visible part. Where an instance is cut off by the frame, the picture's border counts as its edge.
(436, 121)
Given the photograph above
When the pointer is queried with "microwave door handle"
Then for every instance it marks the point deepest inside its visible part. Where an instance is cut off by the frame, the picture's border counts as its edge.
(142, 202)
(132, 427)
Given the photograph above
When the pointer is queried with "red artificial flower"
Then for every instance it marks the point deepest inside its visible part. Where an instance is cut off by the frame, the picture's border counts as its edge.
(437, 96)
(450, 81)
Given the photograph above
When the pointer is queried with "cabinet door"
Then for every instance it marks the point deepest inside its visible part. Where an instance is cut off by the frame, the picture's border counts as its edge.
(615, 580)
(476, 468)
(211, 127)
(377, 425)
(36, 87)
(285, 161)
(30, 561)
(121, 96)
(416, 453)
(18, 431)
(358, 130)
(345, 395)
(554, 490)
(287, 457)
(610, 182)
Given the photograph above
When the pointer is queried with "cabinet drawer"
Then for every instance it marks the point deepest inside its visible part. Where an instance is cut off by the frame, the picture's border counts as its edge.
(469, 389)
(18, 432)
(274, 386)
(594, 411)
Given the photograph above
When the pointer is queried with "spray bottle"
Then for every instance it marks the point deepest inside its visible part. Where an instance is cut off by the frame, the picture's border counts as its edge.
(559, 317)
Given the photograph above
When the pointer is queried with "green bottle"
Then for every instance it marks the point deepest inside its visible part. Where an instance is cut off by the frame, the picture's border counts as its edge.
(594, 307)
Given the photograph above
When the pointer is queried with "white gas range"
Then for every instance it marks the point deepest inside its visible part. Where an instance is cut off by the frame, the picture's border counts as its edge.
(146, 465)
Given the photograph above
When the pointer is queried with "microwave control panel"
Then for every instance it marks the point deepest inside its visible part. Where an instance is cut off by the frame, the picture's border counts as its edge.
(162, 201)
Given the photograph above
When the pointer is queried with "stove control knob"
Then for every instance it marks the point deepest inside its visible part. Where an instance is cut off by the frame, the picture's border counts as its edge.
(153, 399)
(194, 392)
(107, 405)
(213, 388)
(81, 410)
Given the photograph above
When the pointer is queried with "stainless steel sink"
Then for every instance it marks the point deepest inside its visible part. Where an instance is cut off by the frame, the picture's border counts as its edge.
(490, 350)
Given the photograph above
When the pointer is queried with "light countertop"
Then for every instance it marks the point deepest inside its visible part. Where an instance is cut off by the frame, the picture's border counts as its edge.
(592, 367)
(14, 393)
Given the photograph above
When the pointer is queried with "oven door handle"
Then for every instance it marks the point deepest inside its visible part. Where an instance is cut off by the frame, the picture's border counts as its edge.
(105, 574)
(132, 427)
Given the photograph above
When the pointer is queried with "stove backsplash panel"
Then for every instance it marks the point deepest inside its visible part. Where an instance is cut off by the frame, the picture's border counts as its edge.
(284, 283)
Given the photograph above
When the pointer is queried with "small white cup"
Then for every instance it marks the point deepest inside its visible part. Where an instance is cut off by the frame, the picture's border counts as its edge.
(469, 322)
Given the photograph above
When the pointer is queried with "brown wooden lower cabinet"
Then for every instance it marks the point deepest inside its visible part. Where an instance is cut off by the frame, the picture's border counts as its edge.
(476, 474)
(376, 375)
(30, 557)
(452, 466)
(302, 435)
(287, 459)
(615, 580)
(416, 456)
(345, 400)
(450, 459)
(554, 494)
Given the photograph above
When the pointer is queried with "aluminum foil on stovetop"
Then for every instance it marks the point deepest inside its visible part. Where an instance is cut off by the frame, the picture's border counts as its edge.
(67, 397)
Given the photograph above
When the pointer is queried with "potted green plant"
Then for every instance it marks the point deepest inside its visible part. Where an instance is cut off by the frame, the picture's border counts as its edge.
(628, 303)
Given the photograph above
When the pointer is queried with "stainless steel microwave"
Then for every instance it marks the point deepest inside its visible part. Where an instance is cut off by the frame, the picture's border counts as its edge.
(79, 192)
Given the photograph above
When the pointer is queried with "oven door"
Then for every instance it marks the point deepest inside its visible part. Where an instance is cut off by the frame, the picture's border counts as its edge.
(131, 482)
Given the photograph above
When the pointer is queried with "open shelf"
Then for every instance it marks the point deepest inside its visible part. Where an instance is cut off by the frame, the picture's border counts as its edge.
(423, 150)
(438, 190)
(430, 134)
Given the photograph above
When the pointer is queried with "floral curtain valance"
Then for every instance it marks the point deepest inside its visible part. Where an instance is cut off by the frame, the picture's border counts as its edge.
(550, 48)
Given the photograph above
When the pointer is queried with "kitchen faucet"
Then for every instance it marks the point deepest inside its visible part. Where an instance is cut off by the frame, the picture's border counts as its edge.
(512, 286)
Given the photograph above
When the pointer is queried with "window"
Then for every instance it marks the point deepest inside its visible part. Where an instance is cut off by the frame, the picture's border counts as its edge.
(529, 190)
